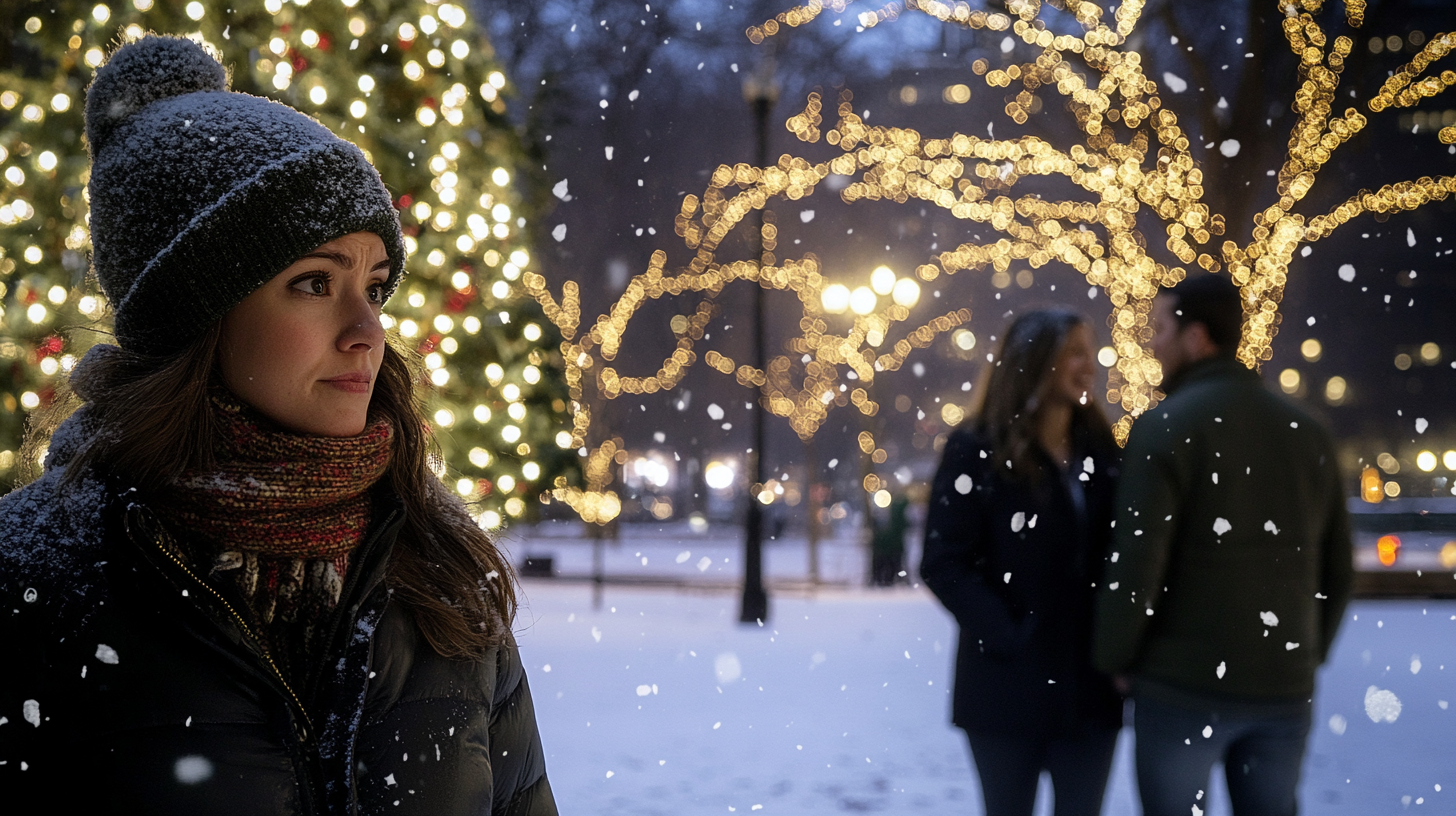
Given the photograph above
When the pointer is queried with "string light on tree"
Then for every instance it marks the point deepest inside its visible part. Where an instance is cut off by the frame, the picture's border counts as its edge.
(1133, 158)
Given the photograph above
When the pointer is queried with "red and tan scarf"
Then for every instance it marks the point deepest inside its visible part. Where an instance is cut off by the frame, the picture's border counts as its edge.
(279, 514)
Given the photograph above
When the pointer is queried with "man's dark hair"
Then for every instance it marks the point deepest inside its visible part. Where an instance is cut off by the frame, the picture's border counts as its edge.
(1214, 301)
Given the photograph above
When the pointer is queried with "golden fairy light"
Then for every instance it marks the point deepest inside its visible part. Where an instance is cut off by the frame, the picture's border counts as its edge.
(1134, 158)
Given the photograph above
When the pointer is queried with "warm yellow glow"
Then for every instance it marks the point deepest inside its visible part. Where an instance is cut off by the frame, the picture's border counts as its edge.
(471, 324)
(47, 161)
(425, 115)
(835, 298)
(1449, 459)
(1311, 349)
(510, 433)
(318, 95)
(952, 414)
(1335, 390)
(1107, 356)
(882, 280)
(440, 377)
(882, 498)
(862, 301)
(61, 103)
(1448, 554)
(1371, 485)
(30, 400)
(496, 79)
(563, 439)
(94, 57)
(490, 520)
(195, 10)
(310, 38)
(34, 255)
(1392, 489)
(906, 292)
(1387, 548)
(101, 14)
(957, 94)
(516, 411)
(49, 366)
(1430, 353)
(56, 295)
(494, 373)
(358, 109)
(482, 413)
(436, 58)
(408, 328)
(366, 83)
(1426, 460)
(531, 332)
(1289, 380)
(531, 374)
(511, 392)
(500, 177)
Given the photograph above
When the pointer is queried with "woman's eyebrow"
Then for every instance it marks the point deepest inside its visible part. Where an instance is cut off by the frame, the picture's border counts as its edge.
(340, 258)
(384, 264)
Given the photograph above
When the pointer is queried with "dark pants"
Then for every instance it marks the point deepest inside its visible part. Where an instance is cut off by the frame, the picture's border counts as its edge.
(1010, 766)
(1261, 755)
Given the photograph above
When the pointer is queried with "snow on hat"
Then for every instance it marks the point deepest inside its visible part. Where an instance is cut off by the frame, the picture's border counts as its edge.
(199, 194)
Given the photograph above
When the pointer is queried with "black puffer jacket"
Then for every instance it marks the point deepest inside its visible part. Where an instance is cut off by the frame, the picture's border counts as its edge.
(132, 686)
(1016, 565)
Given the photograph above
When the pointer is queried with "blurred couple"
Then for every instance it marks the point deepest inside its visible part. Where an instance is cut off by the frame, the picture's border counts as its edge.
(1201, 571)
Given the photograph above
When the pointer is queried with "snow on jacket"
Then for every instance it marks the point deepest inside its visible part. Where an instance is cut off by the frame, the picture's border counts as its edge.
(1232, 560)
(133, 685)
(1016, 565)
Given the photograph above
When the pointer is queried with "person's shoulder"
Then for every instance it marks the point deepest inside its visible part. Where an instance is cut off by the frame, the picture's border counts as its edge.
(966, 446)
(51, 537)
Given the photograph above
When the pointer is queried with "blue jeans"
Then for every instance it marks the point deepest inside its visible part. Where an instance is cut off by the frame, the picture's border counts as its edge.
(1261, 748)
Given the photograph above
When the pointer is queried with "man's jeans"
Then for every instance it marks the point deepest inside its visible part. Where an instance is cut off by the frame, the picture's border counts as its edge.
(1261, 748)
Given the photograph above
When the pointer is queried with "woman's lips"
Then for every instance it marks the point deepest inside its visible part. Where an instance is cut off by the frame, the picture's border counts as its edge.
(352, 383)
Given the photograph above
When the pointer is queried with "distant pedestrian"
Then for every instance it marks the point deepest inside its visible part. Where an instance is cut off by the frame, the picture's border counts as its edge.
(237, 587)
(1014, 537)
(887, 544)
(1229, 570)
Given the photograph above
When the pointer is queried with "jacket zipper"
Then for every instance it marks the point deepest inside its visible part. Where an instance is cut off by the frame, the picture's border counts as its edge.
(161, 543)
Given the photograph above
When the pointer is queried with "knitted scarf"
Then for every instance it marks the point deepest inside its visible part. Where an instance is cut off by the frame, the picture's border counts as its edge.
(279, 515)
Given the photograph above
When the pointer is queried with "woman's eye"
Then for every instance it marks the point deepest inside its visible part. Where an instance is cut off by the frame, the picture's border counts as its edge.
(313, 286)
(376, 293)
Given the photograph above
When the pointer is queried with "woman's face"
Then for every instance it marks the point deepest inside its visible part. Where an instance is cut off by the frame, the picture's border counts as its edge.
(305, 347)
(1072, 377)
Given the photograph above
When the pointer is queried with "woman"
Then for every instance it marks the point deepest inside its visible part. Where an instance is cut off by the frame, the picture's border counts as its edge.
(236, 587)
(1019, 517)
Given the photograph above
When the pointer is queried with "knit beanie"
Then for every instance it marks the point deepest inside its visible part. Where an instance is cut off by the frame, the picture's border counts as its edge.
(199, 195)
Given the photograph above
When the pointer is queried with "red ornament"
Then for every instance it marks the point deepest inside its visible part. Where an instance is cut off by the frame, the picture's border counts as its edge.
(484, 486)
(404, 202)
(325, 42)
(299, 63)
(457, 301)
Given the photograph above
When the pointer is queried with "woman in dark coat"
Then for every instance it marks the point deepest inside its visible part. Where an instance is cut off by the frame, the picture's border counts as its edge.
(1019, 518)
(237, 587)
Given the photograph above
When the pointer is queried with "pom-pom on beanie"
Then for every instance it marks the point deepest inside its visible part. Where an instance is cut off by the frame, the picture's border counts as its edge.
(199, 195)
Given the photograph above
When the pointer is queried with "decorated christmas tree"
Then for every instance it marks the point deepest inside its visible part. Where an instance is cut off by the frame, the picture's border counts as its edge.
(412, 83)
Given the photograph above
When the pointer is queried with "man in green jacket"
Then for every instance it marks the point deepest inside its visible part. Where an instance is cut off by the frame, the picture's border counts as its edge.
(1230, 569)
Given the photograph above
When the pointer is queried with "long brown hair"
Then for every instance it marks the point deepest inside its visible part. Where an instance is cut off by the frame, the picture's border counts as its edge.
(150, 418)
(1007, 411)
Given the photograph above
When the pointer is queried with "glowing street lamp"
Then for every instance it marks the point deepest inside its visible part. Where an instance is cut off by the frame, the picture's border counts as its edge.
(882, 280)
(862, 301)
(835, 298)
(906, 292)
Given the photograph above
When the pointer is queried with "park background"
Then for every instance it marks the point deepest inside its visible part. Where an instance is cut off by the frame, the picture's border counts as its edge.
(560, 139)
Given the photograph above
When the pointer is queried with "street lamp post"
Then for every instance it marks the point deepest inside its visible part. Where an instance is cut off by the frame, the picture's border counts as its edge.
(760, 91)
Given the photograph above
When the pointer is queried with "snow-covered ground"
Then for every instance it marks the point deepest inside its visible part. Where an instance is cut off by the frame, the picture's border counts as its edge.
(661, 702)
